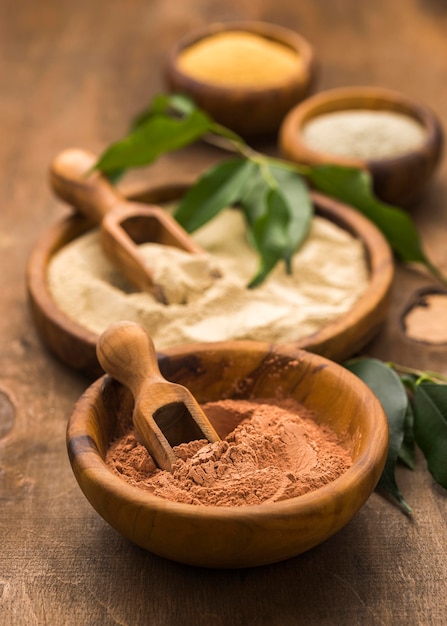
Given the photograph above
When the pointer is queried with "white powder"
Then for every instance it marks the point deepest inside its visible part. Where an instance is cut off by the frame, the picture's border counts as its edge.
(363, 134)
(329, 275)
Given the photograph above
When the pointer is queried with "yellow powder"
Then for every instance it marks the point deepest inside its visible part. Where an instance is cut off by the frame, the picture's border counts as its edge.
(239, 59)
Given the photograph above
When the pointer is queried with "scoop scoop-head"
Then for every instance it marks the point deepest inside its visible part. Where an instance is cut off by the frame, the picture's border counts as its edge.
(165, 413)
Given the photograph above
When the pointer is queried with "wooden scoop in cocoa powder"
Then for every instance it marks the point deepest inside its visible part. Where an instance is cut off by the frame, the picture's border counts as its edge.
(123, 224)
(165, 413)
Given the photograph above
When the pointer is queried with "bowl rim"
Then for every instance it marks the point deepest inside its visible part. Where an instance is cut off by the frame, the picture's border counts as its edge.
(292, 143)
(88, 461)
(304, 73)
(65, 336)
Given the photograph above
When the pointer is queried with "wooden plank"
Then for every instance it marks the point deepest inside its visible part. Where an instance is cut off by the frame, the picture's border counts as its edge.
(74, 74)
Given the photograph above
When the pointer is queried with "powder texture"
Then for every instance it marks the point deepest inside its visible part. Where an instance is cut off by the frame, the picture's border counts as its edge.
(276, 452)
(329, 275)
(426, 321)
(363, 134)
(239, 59)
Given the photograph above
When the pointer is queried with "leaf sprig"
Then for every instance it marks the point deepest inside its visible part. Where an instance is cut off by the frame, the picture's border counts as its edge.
(273, 194)
(415, 403)
(274, 198)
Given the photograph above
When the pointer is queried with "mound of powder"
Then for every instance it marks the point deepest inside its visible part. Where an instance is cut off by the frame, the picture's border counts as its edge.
(276, 452)
(329, 274)
(238, 59)
(364, 134)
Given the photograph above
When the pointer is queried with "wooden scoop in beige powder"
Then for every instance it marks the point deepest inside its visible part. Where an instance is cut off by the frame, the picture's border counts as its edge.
(165, 413)
(123, 224)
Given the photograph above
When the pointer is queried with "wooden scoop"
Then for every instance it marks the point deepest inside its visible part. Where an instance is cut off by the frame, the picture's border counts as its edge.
(165, 413)
(123, 224)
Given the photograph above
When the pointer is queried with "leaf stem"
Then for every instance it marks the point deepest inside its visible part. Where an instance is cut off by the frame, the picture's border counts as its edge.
(403, 369)
(436, 272)
(238, 146)
(223, 138)
(266, 173)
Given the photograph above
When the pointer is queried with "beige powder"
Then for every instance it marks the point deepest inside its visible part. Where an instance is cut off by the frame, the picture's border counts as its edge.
(329, 275)
(427, 320)
(276, 452)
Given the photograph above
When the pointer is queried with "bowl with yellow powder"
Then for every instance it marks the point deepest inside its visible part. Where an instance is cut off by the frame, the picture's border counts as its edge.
(303, 444)
(397, 139)
(246, 75)
(333, 303)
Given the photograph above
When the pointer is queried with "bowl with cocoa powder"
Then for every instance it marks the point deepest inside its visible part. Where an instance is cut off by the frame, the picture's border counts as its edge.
(302, 446)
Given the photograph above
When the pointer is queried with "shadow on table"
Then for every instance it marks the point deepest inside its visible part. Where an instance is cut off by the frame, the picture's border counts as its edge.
(334, 580)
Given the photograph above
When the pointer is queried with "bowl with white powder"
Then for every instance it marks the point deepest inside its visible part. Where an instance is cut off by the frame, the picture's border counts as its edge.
(246, 75)
(398, 140)
(303, 444)
(333, 303)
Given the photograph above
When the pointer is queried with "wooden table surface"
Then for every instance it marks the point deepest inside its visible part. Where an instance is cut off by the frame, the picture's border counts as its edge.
(73, 74)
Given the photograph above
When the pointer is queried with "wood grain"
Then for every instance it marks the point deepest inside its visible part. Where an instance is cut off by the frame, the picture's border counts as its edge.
(70, 76)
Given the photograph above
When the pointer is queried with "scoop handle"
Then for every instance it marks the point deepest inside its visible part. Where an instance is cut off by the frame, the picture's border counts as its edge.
(74, 181)
(127, 353)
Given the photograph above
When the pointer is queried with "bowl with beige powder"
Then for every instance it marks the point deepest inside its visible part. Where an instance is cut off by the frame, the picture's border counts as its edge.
(246, 75)
(397, 139)
(303, 444)
(334, 302)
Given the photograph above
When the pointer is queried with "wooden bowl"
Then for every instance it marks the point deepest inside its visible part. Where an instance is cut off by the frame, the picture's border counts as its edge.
(397, 180)
(76, 346)
(246, 109)
(235, 536)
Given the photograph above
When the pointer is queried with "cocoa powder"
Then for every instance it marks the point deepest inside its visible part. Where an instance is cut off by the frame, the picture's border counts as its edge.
(277, 451)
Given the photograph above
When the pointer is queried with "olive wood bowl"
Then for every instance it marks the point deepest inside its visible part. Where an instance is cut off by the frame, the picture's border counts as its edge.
(234, 536)
(76, 346)
(247, 110)
(397, 180)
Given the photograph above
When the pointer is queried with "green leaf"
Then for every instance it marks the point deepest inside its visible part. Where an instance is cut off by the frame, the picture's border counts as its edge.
(168, 105)
(292, 185)
(430, 427)
(114, 176)
(219, 187)
(353, 186)
(299, 206)
(278, 222)
(407, 450)
(388, 388)
(269, 235)
(164, 104)
(155, 136)
(275, 202)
